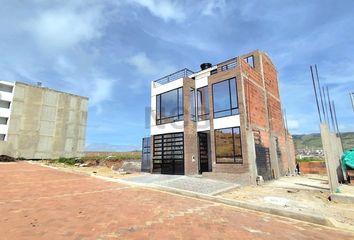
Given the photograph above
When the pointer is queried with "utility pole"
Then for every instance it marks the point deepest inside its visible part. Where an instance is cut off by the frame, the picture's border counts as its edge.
(352, 98)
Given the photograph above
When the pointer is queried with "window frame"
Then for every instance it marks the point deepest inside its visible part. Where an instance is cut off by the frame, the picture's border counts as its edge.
(179, 116)
(238, 159)
(231, 109)
(247, 61)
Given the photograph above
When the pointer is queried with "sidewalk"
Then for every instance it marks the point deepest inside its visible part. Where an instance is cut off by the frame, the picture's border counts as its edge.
(195, 184)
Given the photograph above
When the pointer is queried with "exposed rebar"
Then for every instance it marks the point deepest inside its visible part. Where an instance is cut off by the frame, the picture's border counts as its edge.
(314, 89)
(319, 89)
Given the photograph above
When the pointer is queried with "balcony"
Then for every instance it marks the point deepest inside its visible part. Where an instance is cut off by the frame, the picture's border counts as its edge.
(173, 76)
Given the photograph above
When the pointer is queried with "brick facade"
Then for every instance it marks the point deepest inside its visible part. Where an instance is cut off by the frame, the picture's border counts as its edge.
(267, 147)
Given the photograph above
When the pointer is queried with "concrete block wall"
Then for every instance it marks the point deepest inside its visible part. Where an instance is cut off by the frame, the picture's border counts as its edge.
(45, 124)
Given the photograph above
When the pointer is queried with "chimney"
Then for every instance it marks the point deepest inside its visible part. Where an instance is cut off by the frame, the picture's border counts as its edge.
(204, 66)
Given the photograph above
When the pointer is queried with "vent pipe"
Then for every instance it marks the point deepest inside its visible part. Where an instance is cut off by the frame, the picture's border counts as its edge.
(204, 66)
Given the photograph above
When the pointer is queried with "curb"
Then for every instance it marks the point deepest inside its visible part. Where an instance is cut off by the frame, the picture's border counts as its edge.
(341, 198)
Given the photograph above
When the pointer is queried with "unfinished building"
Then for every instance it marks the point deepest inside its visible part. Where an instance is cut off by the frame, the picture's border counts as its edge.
(41, 123)
(224, 121)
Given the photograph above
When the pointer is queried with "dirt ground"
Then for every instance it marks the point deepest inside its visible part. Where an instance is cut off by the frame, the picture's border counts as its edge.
(306, 194)
(104, 171)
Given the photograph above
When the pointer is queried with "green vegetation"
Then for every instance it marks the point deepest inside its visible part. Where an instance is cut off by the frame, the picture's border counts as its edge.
(115, 157)
(314, 140)
(309, 159)
(118, 156)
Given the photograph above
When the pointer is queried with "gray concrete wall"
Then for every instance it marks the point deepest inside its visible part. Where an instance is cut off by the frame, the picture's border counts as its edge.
(45, 124)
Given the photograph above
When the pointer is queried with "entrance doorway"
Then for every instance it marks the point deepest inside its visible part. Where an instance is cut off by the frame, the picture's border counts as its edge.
(203, 152)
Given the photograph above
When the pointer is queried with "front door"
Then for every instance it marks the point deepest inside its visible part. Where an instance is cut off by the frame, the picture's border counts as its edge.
(203, 152)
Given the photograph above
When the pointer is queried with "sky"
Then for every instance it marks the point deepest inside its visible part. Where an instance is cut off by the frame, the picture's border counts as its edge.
(111, 50)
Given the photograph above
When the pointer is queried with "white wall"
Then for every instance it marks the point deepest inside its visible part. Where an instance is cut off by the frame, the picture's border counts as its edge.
(203, 125)
(226, 122)
(6, 96)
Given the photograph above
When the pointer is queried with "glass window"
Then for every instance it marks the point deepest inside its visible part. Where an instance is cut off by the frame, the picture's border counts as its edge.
(6, 88)
(228, 145)
(250, 60)
(169, 106)
(4, 104)
(203, 103)
(3, 120)
(192, 101)
(225, 98)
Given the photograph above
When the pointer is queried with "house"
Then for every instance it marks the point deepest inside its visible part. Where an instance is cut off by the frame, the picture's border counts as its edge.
(41, 123)
(223, 121)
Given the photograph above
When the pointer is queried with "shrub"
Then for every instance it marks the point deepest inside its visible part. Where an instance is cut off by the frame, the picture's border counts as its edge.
(310, 159)
(68, 161)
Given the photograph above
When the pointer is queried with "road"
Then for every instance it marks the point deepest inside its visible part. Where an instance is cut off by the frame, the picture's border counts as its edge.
(42, 203)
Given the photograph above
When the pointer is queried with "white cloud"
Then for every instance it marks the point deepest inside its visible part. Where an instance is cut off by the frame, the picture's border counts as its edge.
(146, 66)
(66, 27)
(167, 9)
(293, 124)
(213, 6)
(148, 69)
(102, 89)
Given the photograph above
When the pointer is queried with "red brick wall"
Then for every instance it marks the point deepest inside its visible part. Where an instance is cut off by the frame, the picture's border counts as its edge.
(263, 106)
(313, 168)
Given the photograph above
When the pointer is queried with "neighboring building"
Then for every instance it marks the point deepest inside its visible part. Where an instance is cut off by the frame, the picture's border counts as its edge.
(223, 121)
(41, 123)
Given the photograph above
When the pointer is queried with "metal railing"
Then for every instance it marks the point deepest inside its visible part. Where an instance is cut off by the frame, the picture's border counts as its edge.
(174, 76)
(229, 66)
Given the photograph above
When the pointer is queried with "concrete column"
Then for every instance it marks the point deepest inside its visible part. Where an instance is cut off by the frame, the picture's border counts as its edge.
(337, 151)
(273, 156)
(251, 151)
(330, 157)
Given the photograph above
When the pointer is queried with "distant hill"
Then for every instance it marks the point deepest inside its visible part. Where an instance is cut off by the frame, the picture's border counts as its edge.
(314, 140)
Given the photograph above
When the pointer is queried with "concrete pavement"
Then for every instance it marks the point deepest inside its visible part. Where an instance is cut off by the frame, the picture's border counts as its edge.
(43, 203)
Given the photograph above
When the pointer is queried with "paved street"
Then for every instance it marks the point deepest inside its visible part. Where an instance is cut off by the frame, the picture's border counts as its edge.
(43, 203)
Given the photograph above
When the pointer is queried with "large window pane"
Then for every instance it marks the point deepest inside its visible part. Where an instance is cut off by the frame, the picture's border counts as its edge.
(221, 96)
(203, 103)
(224, 146)
(233, 93)
(169, 106)
(225, 98)
(228, 145)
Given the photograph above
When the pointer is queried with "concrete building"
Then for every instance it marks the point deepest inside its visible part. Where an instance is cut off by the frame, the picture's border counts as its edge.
(224, 121)
(41, 123)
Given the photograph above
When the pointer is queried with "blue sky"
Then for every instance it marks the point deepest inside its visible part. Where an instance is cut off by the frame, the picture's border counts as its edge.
(111, 50)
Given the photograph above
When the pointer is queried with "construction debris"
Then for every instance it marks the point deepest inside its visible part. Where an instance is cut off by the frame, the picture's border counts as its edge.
(5, 158)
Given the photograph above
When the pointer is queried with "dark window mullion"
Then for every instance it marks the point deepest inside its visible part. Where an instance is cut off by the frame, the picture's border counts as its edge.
(230, 106)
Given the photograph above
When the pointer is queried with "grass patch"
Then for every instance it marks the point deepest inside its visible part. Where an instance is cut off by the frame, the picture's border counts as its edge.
(309, 159)
(119, 156)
